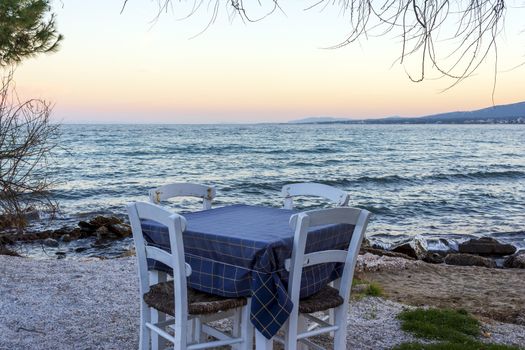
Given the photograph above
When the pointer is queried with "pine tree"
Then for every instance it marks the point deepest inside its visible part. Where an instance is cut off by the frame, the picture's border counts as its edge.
(27, 28)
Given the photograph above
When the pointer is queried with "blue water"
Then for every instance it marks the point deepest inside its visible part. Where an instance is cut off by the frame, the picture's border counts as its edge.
(415, 179)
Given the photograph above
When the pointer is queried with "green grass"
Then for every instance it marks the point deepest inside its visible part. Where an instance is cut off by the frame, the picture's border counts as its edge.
(455, 329)
(470, 345)
(357, 281)
(446, 324)
(372, 289)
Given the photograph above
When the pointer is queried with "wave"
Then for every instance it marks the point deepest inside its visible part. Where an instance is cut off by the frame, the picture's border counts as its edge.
(512, 174)
(397, 179)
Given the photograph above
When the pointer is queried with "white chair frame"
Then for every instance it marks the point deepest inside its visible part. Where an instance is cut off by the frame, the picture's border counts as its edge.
(295, 329)
(181, 189)
(333, 194)
(188, 329)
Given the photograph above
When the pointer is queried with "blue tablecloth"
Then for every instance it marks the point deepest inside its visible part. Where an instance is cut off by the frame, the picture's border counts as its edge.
(240, 250)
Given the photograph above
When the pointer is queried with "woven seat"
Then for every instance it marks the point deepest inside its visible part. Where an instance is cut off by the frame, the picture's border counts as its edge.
(160, 297)
(326, 298)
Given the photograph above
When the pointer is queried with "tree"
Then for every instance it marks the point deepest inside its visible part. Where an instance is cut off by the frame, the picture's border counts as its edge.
(27, 136)
(26, 29)
(450, 37)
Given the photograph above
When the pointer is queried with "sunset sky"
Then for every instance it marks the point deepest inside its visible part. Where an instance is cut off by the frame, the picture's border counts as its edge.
(116, 67)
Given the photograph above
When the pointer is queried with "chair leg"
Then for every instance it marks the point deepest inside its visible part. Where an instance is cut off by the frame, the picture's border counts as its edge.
(144, 336)
(291, 329)
(261, 343)
(246, 328)
(236, 328)
(340, 321)
(157, 342)
(198, 336)
(331, 320)
(301, 327)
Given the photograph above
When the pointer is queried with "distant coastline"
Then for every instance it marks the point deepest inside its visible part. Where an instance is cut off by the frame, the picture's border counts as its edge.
(503, 114)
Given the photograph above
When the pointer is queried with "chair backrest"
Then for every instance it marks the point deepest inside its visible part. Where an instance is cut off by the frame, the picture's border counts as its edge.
(176, 225)
(302, 222)
(162, 193)
(333, 194)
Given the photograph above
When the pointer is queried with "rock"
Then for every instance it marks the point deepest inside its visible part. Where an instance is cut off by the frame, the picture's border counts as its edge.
(433, 258)
(6, 251)
(100, 220)
(382, 252)
(80, 249)
(486, 246)
(87, 227)
(516, 261)
(66, 238)
(416, 248)
(121, 230)
(462, 259)
(103, 233)
(50, 242)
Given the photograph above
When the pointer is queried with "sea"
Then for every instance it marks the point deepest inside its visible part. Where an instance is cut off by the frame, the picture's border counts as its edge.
(433, 181)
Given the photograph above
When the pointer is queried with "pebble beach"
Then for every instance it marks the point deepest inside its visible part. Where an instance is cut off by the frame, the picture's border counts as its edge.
(93, 303)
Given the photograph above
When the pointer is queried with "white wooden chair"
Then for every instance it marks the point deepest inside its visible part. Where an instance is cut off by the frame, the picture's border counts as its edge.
(162, 193)
(190, 309)
(333, 194)
(336, 298)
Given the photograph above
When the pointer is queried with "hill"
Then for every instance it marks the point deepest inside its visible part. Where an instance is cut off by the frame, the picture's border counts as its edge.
(502, 114)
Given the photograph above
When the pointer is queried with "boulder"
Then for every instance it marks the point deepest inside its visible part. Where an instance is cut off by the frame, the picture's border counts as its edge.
(433, 258)
(416, 248)
(121, 230)
(87, 227)
(516, 261)
(100, 220)
(50, 242)
(486, 246)
(66, 238)
(462, 259)
(382, 252)
(103, 233)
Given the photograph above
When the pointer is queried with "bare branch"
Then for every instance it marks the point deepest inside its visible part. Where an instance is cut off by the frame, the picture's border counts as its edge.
(27, 138)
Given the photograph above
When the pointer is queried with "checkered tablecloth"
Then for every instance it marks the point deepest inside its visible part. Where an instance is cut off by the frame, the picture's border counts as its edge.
(240, 250)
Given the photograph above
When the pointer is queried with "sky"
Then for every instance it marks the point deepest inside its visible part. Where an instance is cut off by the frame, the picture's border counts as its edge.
(131, 68)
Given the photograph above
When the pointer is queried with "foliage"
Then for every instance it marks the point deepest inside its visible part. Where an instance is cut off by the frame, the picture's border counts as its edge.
(455, 329)
(27, 138)
(27, 28)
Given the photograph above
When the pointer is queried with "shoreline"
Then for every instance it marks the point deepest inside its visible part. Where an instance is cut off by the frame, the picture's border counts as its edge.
(94, 303)
(109, 236)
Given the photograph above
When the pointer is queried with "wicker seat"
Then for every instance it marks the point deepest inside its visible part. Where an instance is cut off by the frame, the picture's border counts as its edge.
(326, 298)
(160, 297)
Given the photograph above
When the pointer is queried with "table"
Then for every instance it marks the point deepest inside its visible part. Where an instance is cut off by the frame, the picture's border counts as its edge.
(240, 250)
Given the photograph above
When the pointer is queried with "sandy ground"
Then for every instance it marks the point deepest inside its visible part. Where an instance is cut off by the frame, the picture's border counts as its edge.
(93, 304)
(497, 294)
